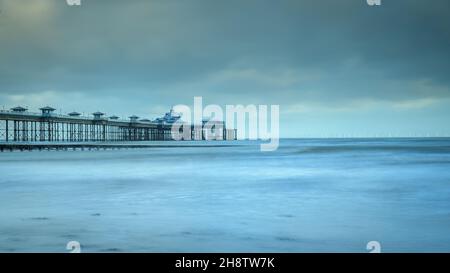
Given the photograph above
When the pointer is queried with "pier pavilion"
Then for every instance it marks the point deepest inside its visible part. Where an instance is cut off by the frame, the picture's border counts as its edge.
(19, 125)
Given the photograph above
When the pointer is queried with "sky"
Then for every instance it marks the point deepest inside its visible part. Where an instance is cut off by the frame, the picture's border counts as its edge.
(335, 68)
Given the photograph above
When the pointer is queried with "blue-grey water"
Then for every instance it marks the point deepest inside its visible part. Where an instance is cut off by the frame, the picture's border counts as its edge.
(312, 195)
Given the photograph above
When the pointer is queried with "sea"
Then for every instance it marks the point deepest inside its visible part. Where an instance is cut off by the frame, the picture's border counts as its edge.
(310, 195)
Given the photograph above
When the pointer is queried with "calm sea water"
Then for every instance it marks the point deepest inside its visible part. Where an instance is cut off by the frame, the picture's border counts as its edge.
(319, 195)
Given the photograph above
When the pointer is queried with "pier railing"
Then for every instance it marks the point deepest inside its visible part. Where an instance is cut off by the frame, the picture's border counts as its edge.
(56, 115)
(37, 127)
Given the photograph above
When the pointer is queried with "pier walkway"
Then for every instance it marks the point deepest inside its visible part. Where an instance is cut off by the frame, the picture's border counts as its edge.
(19, 125)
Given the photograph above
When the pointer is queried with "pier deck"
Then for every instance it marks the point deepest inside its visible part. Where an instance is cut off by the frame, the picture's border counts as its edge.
(21, 126)
(5, 147)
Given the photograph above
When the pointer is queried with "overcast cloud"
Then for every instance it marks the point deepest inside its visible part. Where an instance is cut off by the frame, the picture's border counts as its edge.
(334, 67)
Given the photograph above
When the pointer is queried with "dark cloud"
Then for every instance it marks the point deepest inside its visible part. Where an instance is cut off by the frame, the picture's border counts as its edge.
(326, 53)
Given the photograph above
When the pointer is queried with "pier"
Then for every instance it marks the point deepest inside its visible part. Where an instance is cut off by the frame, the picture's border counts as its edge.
(18, 125)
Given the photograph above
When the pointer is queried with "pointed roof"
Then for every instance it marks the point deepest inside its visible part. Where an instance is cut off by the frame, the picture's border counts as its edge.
(134, 117)
(47, 108)
(98, 113)
(19, 109)
(114, 117)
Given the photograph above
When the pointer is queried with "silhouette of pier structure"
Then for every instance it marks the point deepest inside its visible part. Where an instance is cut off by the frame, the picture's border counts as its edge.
(19, 126)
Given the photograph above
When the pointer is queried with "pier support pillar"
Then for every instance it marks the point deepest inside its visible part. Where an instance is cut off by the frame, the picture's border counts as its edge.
(6, 131)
